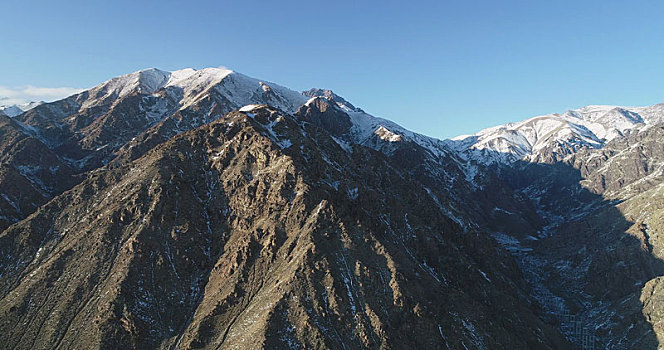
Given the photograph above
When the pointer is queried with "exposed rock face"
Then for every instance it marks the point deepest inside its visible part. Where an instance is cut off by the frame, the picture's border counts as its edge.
(257, 231)
(625, 167)
(321, 112)
(332, 97)
(652, 297)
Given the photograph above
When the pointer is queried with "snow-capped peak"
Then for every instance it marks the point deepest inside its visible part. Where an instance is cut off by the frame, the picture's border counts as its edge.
(188, 86)
(534, 138)
(192, 84)
(149, 81)
(145, 81)
(16, 109)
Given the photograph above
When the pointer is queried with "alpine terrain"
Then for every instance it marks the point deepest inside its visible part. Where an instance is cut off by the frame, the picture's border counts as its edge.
(208, 209)
(16, 109)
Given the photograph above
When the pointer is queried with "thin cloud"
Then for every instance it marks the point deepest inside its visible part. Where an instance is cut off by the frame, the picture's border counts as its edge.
(28, 93)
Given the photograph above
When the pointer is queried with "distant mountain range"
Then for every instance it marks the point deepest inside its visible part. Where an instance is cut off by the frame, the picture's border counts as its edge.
(16, 109)
(208, 209)
(554, 136)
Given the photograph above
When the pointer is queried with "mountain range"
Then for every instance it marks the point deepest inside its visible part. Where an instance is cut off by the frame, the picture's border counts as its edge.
(208, 209)
(552, 137)
(16, 109)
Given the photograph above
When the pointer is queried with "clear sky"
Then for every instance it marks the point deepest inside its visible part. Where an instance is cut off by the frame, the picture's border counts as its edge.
(441, 68)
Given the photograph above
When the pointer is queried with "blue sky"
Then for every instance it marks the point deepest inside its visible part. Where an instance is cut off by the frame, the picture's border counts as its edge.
(441, 68)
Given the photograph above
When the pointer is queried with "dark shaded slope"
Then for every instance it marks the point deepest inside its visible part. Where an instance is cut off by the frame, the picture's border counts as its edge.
(599, 257)
(30, 174)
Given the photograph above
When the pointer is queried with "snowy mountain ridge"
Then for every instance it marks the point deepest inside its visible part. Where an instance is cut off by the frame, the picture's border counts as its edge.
(365, 126)
(541, 138)
(171, 102)
(538, 139)
(187, 86)
(16, 109)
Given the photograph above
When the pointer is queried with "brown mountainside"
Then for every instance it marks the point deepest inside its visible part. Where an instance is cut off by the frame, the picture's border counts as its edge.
(249, 232)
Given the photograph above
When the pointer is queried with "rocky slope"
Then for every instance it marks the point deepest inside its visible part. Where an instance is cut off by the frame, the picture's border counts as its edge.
(258, 230)
(599, 256)
(30, 173)
(476, 199)
(120, 120)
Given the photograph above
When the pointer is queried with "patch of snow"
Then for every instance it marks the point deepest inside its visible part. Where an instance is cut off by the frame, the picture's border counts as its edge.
(484, 275)
(344, 144)
(501, 210)
(249, 108)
